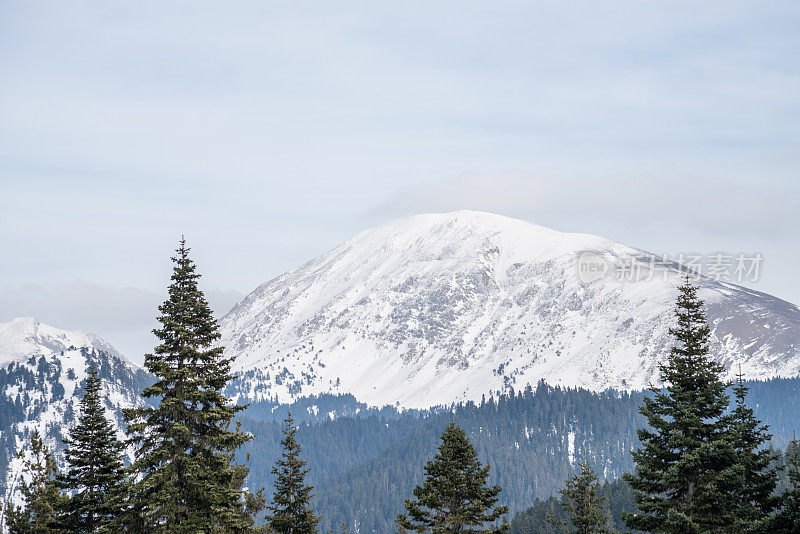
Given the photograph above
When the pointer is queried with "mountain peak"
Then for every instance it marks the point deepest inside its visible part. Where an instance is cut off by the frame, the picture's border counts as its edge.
(25, 323)
(437, 308)
(465, 229)
(23, 337)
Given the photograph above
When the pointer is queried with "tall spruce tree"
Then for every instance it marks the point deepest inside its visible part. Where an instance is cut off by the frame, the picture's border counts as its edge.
(583, 503)
(95, 474)
(787, 520)
(454, 497)
(187, 482)
(751, 478)
(290, 511)
(677, 481)
(40, 494)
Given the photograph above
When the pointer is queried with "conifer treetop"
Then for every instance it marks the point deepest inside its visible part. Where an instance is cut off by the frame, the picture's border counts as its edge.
(583, 503)
(188, 328)
(680, 467)
(40, 494)
(94, 465)
(454, 497)
(751, 478)
(290, 511)
(185, 448)
(788, 517)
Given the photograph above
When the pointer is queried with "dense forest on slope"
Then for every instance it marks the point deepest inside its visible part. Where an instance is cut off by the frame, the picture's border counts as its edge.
(618, 499)
(774, 402)
(46, 390)
(364, 467)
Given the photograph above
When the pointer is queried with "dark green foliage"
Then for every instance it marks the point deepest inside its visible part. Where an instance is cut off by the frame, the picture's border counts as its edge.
(94, 474)
(787, 520)
(750, 480)
(583, 503)
(365, 467)
(454, 497)
(775, 402)
(540, 518)
(617, 500)
(290, 511)
(40, 494)
(677, 482)
(184, 443)
(620, 501)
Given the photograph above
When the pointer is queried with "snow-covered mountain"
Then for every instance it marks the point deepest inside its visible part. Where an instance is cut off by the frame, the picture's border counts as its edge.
(25, 336)
(41, 373)
(438, 308)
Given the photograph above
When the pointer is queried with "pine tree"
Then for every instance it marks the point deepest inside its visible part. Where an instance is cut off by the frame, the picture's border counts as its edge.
(454, 497)
(682, 456)
(187, 482)
(787, 519)
(254, 503)
(583, 503)
(290, 511)
(95, 474)
(751, 479)
(39, 491)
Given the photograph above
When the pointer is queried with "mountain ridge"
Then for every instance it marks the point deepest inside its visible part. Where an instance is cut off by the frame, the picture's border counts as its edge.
(22, 336)
(438, 308)
(42, 371)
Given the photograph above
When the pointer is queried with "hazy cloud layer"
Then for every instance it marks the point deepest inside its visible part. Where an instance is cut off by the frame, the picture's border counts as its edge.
(570, 200)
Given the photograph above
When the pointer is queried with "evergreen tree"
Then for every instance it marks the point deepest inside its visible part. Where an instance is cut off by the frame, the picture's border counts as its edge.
(787, 520)
(584, 504)
(187, 482)
(254, 503)
(95, 467)
(677, 481)
(290, 511)
(454, 497)
(751, 479)
(40, 494)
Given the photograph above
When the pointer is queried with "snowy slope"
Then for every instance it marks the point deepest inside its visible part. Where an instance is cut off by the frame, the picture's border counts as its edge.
(41, 372)
(439, 308)
(22, 337)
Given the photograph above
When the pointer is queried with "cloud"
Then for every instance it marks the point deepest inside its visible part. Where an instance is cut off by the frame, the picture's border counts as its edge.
(579, 200)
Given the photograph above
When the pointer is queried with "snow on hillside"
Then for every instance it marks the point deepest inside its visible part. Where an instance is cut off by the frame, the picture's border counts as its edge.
(438, 308)
(24, 336)
(42, 369)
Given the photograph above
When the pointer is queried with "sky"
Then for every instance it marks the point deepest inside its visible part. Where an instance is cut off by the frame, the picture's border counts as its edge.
(269, 132)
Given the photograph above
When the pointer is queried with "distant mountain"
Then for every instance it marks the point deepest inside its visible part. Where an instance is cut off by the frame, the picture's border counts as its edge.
(434, 309)
(25, 336)
(42, 370)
